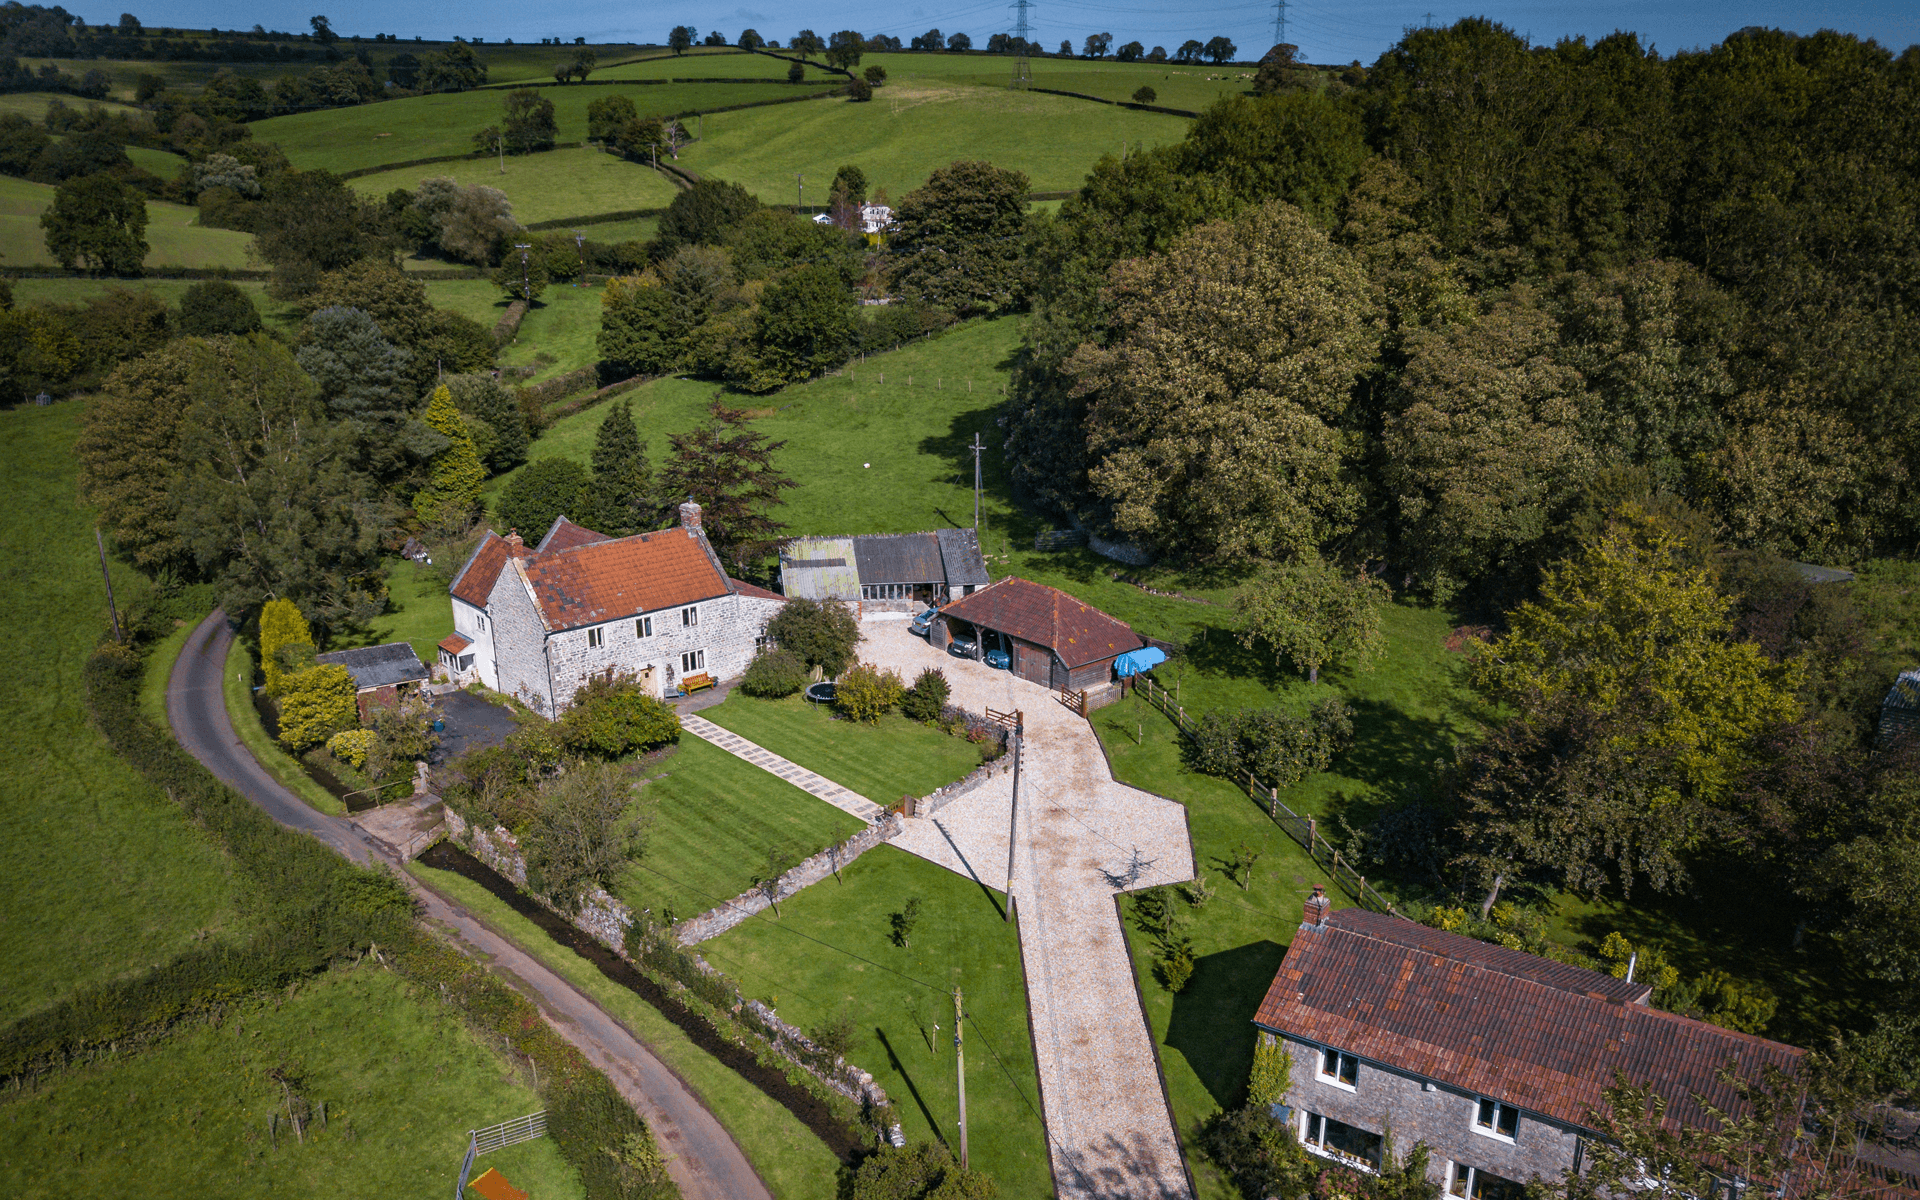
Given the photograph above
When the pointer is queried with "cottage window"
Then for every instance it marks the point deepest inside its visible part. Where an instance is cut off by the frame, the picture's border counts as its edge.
(482, 619)
(1496, 1120)
(1340, 1141)
(689, 617)
(643, 627)
(886, 591)
(1341, 1070)
(693, 660)
(1471, 1183)
(596, 637)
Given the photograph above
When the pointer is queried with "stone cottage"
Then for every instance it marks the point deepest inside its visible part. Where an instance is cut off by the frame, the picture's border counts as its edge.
(1493, 1057)
(537, 623)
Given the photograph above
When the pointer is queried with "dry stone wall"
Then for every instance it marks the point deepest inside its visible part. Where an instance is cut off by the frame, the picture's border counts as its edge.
(716, 921)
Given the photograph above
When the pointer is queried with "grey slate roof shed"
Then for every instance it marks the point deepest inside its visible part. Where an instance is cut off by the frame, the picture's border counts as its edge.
(935, 565)
(966, 568)
(378, 666)
(819, 568)
(899, 558)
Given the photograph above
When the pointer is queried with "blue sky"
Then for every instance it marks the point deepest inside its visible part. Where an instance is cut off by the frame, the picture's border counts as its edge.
(1325, 30)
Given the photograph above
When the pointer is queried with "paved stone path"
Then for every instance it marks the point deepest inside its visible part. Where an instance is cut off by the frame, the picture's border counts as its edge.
(1080, 834)
(793, 773)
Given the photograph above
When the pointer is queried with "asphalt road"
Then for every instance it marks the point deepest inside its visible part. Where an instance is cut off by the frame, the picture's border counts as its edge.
(702, 1156)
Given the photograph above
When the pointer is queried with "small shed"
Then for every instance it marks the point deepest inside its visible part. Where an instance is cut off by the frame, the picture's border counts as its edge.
(1900, 711)
(381, 674)
(1052, 638)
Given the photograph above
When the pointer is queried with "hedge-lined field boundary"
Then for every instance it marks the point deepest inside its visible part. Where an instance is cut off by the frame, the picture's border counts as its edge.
(319, 910)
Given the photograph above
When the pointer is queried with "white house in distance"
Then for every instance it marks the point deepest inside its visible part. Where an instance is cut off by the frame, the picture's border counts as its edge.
(537, 623)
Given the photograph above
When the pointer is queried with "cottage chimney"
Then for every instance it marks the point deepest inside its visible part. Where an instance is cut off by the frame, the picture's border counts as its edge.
(690, 514)
(513, 541)
(1315, 909)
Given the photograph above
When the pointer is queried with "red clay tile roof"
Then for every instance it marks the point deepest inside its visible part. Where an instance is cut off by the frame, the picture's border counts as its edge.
(1046, 616)
(604, 581)
(746, 589)
(1537, 1034)
(565, 535)
(454, 643)
(475, 581)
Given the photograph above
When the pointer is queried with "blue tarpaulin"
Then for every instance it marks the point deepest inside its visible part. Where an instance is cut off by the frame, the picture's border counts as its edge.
(1135, 661)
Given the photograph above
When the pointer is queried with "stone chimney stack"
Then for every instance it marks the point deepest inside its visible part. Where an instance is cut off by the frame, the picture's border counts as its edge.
(690, 514)
(1316, 909)
(513, 541)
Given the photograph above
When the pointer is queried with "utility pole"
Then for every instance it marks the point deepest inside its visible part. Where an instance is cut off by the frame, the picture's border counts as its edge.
(1280, 22)
(960, 1063)
(1013, 818)
(500, 145)
(580, 244)
(111, 606)
(976, 448)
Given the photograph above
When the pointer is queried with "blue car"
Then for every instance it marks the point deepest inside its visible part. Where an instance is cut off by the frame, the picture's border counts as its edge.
(998, 660)
(963, 648)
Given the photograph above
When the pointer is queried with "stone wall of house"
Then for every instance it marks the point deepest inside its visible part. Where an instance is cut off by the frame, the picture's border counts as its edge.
(716, 921)
(726, 630)
(1417, 1110)
(520, 641)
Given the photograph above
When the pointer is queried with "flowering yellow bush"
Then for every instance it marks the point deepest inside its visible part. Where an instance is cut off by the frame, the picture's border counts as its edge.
(351, 746)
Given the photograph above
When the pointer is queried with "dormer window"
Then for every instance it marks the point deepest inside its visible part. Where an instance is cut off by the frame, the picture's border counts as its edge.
(1340, 1070)
(1496, 1120)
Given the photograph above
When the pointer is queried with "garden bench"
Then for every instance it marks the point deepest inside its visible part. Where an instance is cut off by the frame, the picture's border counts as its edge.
(689, 684)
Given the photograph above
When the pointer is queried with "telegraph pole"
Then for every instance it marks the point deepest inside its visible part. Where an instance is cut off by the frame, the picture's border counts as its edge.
(1013, 819)
(977, 447)
(111, 606)
(960, 1062)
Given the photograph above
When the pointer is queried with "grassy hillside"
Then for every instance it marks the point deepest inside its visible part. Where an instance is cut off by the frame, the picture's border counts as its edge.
(717, 64)
(402, 1079)
(1185, 86)
(346, 139)
(544, 187)
(173, 238)
(104, 875)
(912, 127)
(33, 105)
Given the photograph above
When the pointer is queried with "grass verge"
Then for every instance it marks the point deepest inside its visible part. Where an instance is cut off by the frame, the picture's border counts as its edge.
(402, 1078)
(882, 761)
(104, 876)
(238, 689)
(830, 954)
(795, 1164)
(160, 660)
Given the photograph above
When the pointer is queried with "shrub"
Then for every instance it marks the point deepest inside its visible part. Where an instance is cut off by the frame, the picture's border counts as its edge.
(1175, 967)
(544, 489)
(1258, 1153)
(868, 693)
(927, 696)
(215, 307)
(582, 833)
(773, 674)
(824, 633)
(315, 704)
(611, 716)
(920, 1172)
(350, 746)
(281, 625)
(1279, 748)
(402, 735)
(859, 90)
(1272, 1068)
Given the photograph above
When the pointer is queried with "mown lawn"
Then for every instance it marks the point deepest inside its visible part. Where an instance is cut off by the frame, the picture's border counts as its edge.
(795, 1164)
(882, 761)
(543, 187)
(831, 952)
(104, 875)
(173, 238)
(418, 613)
(402, 1079)
(909, 129)
(717, 820)
(397, 131)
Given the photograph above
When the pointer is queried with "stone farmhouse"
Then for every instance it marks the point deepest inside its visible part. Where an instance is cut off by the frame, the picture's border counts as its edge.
(1491, 1056)
(538, 622)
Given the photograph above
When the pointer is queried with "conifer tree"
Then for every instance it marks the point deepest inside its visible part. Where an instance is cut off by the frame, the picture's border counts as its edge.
(620, 498)
(727, 467)
(452, 494)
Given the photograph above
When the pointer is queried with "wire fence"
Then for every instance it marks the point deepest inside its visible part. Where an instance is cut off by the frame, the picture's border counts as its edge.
(1302, 829)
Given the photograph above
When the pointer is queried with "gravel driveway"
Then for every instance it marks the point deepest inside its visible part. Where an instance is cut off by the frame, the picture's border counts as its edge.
(1108, 1125)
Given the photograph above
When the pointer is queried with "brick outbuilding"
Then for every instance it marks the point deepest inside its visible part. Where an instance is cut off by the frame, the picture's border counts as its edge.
(1053, 639)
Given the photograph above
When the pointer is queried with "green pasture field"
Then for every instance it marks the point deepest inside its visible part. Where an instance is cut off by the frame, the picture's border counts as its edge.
(74, 290)
(1177, 85)
(716, 820)
(717, 64)
(418, 613)
(183, 76)
(544, 187)
(612, 233)
(173, 238)
(402, 1079)
(909, 129)
(795, 1164)
(105, 877)
(33, 105)
(831, 952)
(395, 131)
(882, 761)
(912, 428)
(557, 335)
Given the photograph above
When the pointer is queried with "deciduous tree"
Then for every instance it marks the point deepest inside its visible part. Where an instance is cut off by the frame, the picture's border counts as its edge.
(544, 489)
(99, 223)
(584, 832)
(315, 704)
(281, 627)
(957, 241)
(1313, 613)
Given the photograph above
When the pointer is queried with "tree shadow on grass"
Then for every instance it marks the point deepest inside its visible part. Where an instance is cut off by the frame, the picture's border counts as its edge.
(1212, 1022)
(1391, 745)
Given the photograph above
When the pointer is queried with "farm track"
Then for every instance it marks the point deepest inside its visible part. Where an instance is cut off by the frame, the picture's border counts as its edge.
(702, 1156)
